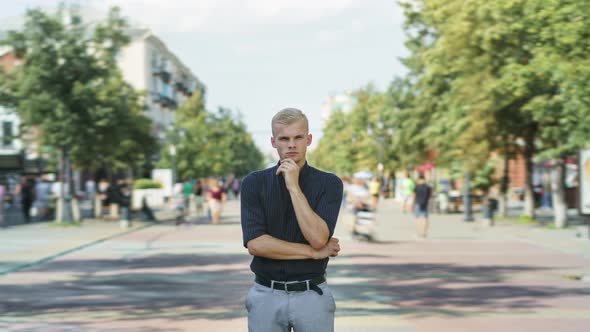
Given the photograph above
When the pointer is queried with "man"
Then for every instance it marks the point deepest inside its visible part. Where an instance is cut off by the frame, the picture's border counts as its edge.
(420, 200)
(289, 213)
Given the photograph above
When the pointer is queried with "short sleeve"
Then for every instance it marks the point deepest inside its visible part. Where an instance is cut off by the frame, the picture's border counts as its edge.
(329, 203)
(253, 221)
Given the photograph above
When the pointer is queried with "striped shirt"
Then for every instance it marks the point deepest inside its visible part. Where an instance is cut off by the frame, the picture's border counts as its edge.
(266, 208)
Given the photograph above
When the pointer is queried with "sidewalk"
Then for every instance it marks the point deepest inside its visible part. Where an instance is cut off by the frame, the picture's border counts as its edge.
(451, 226)
(464, 277)
(25, 245)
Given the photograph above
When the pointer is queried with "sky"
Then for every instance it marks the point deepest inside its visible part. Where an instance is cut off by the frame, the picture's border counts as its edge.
(259, 56)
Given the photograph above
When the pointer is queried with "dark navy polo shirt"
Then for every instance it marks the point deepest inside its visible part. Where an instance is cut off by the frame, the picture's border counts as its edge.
(266, 208)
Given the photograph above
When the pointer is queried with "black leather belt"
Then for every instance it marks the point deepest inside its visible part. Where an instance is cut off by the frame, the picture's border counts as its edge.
(299, 286)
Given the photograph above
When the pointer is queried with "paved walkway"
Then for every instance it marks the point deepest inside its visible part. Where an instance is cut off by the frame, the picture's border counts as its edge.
(158, 277)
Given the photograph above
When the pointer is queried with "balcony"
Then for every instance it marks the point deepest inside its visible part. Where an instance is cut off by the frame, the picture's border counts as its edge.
(163, 74)
(183, 88)
(166, 102)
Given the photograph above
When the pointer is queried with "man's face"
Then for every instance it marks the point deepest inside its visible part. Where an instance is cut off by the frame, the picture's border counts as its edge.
(291, 141)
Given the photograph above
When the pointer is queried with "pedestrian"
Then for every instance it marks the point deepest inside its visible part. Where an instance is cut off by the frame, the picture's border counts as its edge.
(198, 192)
(103, 190)
(179, 203)
(216, 198)
(42, 198)
(420, 200)
(407, 187)
(374, 190)
(26, 190)
(289, 213)
(235, 186)
(187, 192)
(124, 199)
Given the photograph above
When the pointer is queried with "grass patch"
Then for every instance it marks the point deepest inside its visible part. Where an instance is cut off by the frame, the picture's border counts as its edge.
(508, 219)
(526, 220)
(522, 219)
(573, 276)
(64, 224)
(551, 226)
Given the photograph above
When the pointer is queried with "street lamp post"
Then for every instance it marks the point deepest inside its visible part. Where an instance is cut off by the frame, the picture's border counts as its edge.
(381, 143)
(467, 207)
(174, 141)
(172, 150)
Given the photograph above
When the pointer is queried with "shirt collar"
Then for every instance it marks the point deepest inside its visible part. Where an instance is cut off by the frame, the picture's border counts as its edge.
(304, 170)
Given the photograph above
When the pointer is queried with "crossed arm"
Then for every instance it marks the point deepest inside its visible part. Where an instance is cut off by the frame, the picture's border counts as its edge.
(314, 230)
(270, 247)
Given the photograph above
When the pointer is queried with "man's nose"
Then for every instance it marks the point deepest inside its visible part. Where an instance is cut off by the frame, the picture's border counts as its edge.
(291, 143)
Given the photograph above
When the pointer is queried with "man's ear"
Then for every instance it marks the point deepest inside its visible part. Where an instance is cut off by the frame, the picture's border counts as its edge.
(309, 139)
(272, 141)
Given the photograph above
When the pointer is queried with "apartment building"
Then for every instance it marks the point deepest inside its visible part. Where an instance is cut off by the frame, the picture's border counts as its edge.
(149, 66)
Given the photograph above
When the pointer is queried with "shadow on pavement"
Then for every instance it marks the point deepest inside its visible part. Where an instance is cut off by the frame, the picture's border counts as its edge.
(127, 292)
(421, 290)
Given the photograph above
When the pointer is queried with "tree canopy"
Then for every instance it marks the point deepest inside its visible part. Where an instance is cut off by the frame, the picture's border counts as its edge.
(70, 89)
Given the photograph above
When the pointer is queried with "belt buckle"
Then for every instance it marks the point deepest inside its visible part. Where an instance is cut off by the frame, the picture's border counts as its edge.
(286, 288)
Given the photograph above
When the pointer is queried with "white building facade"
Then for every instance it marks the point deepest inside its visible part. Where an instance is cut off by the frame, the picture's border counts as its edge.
(344, 102)
(148, 65)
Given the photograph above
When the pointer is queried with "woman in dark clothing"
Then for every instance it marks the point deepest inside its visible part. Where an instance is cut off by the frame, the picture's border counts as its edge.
(27, 195)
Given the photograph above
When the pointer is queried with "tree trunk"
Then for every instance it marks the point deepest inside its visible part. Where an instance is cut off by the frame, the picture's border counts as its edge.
(468, 211)
(558, 195)
(503, 199)
(529, 196)
(64, 206)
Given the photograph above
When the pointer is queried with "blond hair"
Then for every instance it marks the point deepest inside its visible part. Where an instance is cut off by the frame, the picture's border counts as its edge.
(288, 116)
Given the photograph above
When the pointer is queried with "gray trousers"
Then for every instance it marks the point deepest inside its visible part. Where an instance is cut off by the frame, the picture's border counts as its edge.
(273, 310)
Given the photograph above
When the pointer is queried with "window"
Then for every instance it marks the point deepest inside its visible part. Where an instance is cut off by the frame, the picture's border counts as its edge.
(155, 61)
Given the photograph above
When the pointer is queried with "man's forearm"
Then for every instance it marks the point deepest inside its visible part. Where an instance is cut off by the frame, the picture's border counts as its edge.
(270, 247)
(313, 227)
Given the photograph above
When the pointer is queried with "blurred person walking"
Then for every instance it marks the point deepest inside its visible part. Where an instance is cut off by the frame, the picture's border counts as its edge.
(407, 187)
(178, 202)
(199, 200)
(26, 191)
(124, 201)
(235, 187)
(216, 197)
(289, 213)
(42, 198)
(374, 187)
(103, 198)
(420, 201)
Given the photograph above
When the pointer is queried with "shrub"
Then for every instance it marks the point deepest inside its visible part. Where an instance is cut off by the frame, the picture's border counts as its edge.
(146, 184)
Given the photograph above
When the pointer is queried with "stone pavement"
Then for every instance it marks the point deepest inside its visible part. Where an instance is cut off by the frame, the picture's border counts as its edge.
(159, 277)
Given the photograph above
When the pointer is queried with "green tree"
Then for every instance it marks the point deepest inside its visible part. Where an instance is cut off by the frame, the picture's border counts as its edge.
(70, 89)
(495, 73)
(211, 143)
